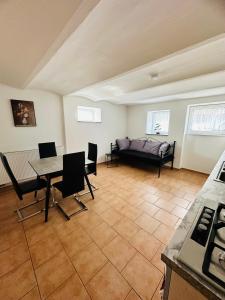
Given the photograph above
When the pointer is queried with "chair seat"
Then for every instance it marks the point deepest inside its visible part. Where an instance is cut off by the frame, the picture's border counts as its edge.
(90, 169)
(32, 185)
(56, 174)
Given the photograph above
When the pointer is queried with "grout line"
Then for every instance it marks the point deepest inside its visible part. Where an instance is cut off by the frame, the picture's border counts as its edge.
(72, 264)
(32, 263)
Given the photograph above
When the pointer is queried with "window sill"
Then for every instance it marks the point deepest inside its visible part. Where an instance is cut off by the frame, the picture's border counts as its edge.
(157, 134)
(206, 134)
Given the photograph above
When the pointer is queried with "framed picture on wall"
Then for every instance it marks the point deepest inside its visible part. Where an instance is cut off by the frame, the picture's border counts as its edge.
(23, 113)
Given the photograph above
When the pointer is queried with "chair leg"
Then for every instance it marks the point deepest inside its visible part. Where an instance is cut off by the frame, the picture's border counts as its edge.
(20, 214)
(159, 171)
(67, 216)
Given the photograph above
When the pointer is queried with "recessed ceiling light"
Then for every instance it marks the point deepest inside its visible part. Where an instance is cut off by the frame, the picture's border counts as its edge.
(154, 76)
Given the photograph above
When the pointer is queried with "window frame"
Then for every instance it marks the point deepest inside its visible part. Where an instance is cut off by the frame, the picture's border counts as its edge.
(149, 117)
(189, 131)
(95, 110)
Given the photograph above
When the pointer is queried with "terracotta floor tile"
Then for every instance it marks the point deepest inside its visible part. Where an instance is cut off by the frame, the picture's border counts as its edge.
(180, 202)
(108, 284)
(119, 252)
(71, 289)
(147, 223)
(11, 237)
(59, 248)
(38, 233)
(156, 260)
(148, 208)
(165, 204)
(45, 249)
(118, 203)
(131, 212)
(126, 228)
(158, 294)
(100, 207)
(166, 218)
(111, 216)
(14, 285)
(164, 233)
(150, 198)
(32, 295)
(53, 273)
(103, 234)
(146, 244)
(133, 296)
(164, 195)
(75, 241)
(88, 262)
(13, 258)
(89, 220)
(134, 200)
(179, 212)
(66, 227)
(142, 276)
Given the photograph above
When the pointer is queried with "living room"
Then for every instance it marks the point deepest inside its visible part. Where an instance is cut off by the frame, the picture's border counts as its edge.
(135, 89)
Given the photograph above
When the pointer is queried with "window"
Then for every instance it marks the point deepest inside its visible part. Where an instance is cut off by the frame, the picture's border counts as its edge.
(158, 122)
(89, 114)
(206, 119)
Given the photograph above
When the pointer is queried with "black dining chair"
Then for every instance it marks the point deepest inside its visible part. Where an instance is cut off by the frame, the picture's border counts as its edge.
(73, 180)
(47, 149)
(23, 188)
(92, 155)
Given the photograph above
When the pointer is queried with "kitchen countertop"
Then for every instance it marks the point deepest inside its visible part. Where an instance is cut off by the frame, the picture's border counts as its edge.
(211, 190)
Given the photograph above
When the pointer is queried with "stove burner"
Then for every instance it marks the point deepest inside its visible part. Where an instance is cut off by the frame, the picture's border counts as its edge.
(222, 259)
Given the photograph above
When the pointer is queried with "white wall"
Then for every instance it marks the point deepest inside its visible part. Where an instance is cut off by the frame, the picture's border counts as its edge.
(198, 153)
(49, 119)
(78, 134)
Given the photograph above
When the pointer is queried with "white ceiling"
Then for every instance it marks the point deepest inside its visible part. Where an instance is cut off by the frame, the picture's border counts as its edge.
(105, 50)
(118, 36)
(31, 31)
(194, 69)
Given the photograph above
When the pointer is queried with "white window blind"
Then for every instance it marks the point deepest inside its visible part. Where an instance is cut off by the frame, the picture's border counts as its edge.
(206, 119)
(89, 114)
(158, 122)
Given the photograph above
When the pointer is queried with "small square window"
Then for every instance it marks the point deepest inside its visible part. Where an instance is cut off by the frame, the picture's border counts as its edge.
(158, 122)
(89, 114)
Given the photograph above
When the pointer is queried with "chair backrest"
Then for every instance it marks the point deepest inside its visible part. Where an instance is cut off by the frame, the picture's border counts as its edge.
(11, 176)
(47, 149)
(92, 152)
(92, 155)
(73, 173)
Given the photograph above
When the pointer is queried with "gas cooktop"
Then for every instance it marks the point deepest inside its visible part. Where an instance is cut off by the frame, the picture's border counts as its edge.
(204, 248)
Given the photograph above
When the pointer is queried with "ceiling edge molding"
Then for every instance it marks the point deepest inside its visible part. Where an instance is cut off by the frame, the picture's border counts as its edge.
(77, 18)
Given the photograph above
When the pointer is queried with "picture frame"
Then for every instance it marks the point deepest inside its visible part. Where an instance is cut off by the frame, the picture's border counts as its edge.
(23, 113)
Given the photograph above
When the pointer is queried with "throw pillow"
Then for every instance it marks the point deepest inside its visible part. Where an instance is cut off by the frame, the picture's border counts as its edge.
(137, 145)
(123, 144)
(163, 148)
(152, 147)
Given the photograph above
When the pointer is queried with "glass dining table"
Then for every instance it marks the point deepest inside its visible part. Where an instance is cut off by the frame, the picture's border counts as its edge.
(46, 167)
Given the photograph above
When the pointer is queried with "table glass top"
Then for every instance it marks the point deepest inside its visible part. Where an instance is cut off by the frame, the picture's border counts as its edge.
(50, 165)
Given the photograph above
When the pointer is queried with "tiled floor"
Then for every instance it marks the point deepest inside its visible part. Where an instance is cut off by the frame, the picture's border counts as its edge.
(112, 251)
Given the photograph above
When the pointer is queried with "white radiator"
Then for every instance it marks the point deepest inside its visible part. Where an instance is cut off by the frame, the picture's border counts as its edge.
(19, 164)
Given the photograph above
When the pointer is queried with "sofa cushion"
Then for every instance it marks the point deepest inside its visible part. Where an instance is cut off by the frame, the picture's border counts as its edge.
(163, 148)
(137, 145)
(152, 147)
(123, 144)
